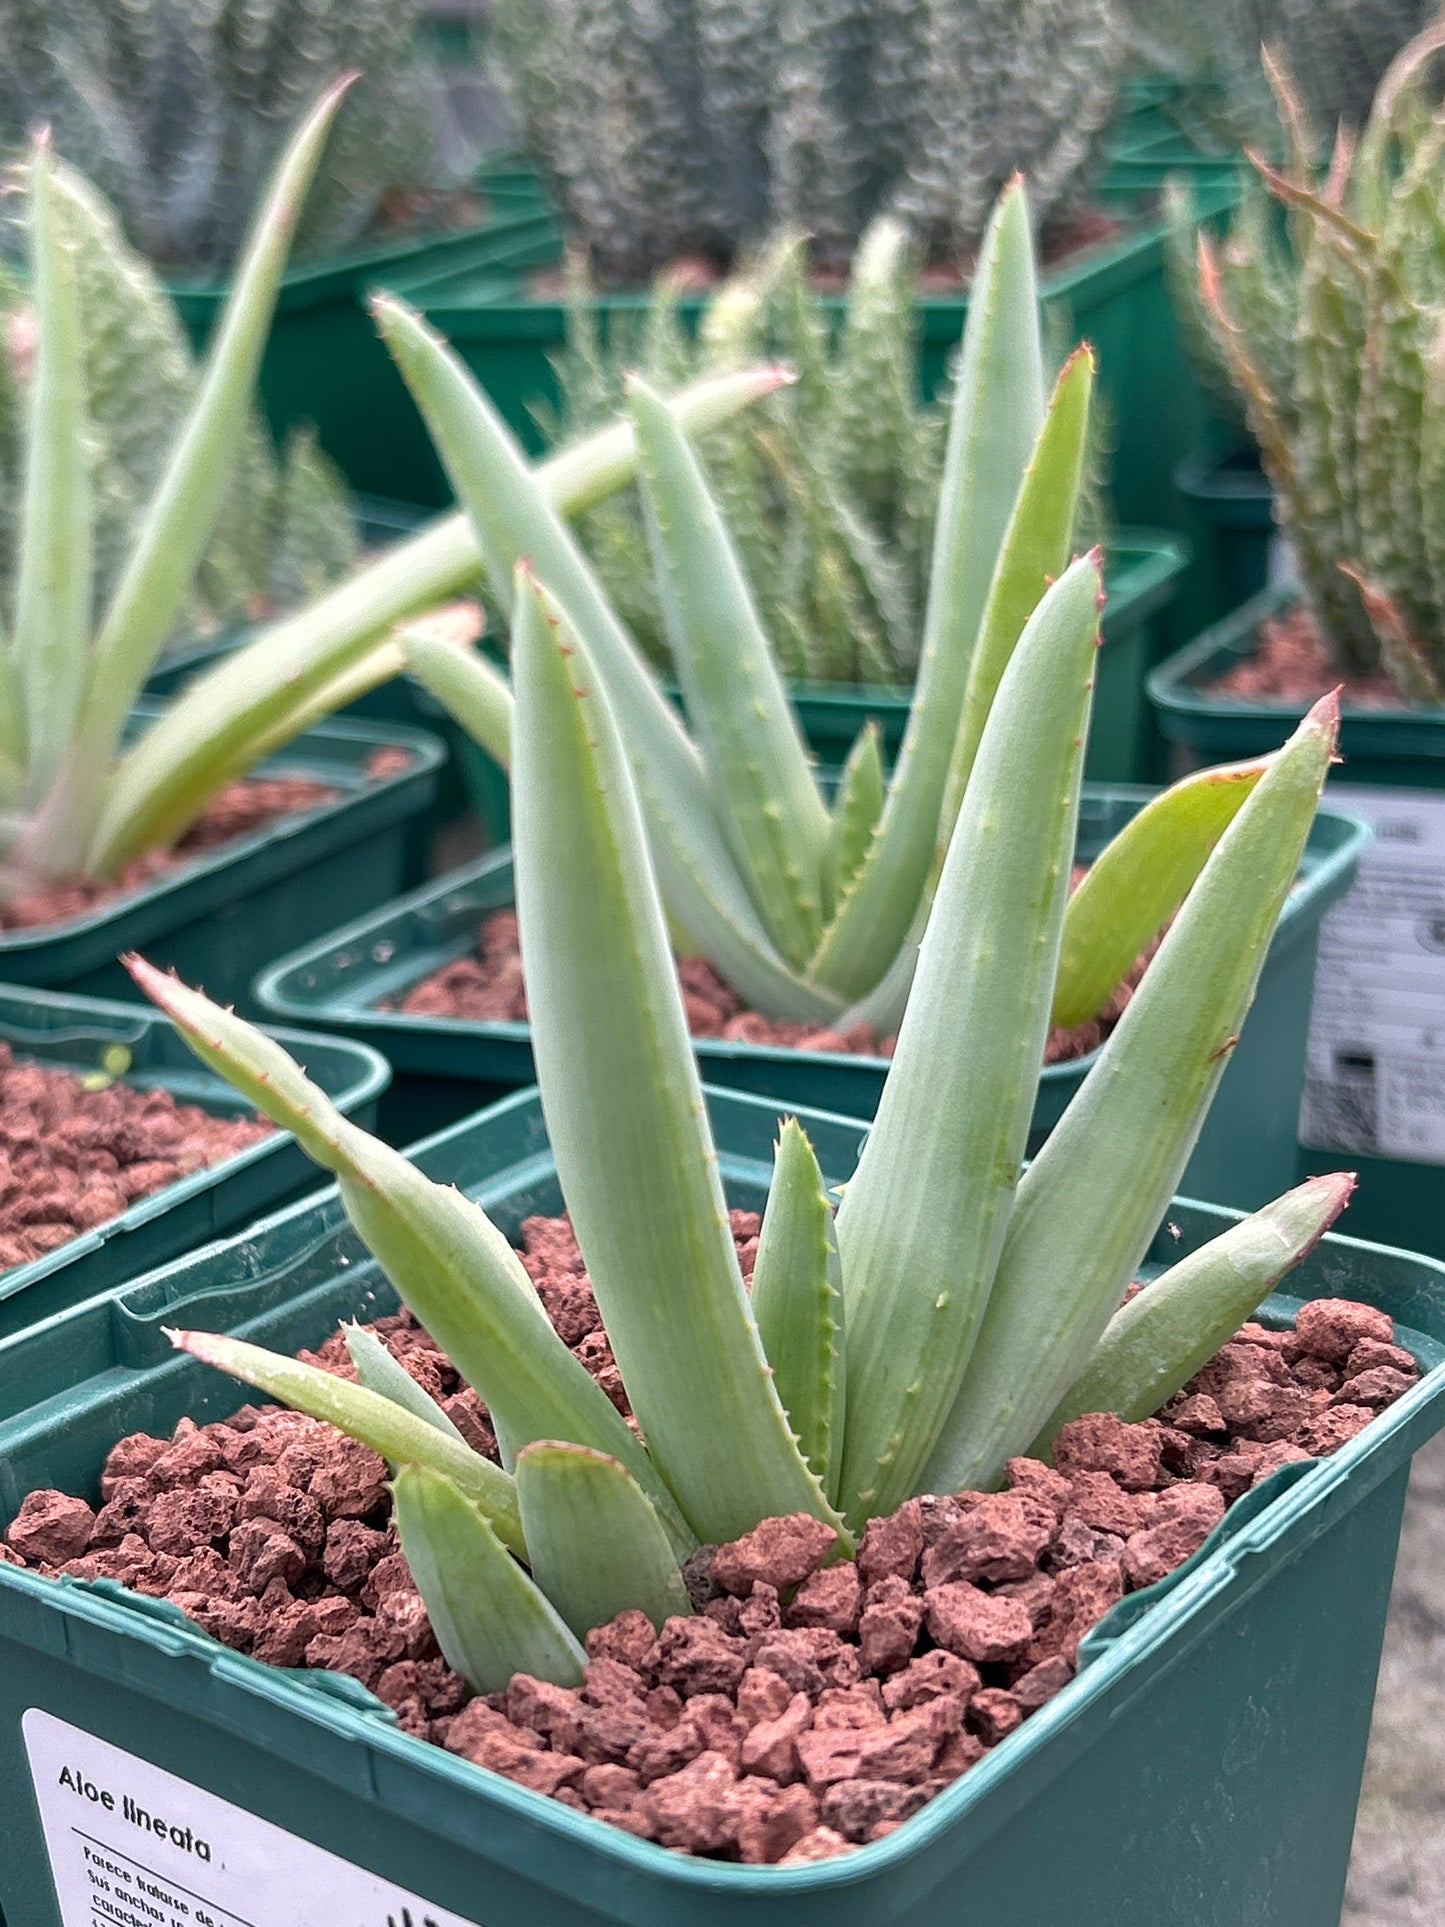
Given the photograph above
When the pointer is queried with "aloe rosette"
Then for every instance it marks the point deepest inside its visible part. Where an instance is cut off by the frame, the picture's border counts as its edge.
(912, 1337)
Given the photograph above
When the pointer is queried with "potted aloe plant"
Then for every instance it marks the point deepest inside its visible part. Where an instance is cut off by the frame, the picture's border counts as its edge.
(803, 910)
(98, 787)
(946, 1321)
(1330, 332)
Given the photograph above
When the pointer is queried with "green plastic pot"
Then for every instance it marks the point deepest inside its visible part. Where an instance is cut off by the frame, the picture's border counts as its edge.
(75, 1034)
(1237, 546)
(1112, 294)
(224, 916)
(324, 363)
(1201, 1771)
(444, 1067)
(1391, 750)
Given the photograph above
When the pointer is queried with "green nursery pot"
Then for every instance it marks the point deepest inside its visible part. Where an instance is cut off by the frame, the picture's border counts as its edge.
(222, 917)
(444, 1067)
(1202, 1770)
(1375, 1090)
(75, 1034)
(324, 363)
(1237, 547)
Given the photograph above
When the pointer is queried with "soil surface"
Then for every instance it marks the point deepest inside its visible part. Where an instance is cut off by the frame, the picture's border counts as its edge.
(239, 810)
(487, 986)
(805, 1708)
(72, 1157)
(1291, 665)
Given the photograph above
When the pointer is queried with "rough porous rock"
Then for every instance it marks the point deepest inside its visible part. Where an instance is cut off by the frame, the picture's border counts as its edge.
(811, 1703)
(72, 1158)
(488, 986)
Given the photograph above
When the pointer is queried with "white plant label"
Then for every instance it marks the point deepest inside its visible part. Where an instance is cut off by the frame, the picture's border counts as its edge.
(132, 1846)
(1375, 1080)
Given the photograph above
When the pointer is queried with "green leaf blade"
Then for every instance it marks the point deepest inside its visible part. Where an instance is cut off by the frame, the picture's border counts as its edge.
(383, 1373)
(857, 807)
(594, 1544)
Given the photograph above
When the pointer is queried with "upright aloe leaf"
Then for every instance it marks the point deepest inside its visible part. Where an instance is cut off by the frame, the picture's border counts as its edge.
(1141, 879)
(514, 521)
(857, 807)
(1093, 1198)
(52, 594)
(624, 1108)
(798, 1303)
(765, 796)
(379, 1371)
(204, 738)
(1154, 1345)
(594, 1544)
(370, 1416)
(490, 1619)
(923, 1218)
(998, 407)
(446, 1258)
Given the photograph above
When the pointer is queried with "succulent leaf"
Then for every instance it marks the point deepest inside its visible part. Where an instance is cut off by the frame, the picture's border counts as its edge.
(381, 1372)
(857, 806)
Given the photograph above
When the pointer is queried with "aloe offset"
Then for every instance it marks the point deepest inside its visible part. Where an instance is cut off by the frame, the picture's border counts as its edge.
(811, 911)
(77, 800)
(920, 1325)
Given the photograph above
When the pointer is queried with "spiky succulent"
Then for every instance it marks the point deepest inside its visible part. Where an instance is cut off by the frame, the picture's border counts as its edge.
(287, 528)
(946, 1316)
(1336, 50)
(178, 109)
(76, 800)
(1331, 331)
(811, 909)
(685, 127)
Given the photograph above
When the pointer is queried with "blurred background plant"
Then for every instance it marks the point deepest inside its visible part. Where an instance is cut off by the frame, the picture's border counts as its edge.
(287, 529)
(676, 128)
(177, 110)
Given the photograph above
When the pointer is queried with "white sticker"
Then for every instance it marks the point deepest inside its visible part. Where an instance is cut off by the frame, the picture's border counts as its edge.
(131, 1846)
(1375, 1080)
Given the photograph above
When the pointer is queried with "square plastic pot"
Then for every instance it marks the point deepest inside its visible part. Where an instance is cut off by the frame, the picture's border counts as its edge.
(75, 1034)
(1396, 749)
(324, 363)
(1111, 294)
(224, 916)
(1236, 544)
(444, 1067)
(1202, 1770)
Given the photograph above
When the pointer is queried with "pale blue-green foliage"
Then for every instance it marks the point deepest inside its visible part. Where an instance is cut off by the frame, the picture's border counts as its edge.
(178, 109)
(1328, 318)
(677, 127)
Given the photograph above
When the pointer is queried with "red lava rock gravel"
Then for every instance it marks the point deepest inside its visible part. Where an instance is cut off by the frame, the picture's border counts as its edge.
(805, 1708)
(487, 986)
(71, 1158)
(1291, 665)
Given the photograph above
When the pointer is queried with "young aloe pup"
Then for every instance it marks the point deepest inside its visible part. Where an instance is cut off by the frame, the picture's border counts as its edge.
(811, 909)
(912, 1340)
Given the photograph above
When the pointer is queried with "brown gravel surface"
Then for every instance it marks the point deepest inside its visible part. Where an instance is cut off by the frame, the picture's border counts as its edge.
(805, 1707)
(487, 986)
(1291, 665)
(72, 1158)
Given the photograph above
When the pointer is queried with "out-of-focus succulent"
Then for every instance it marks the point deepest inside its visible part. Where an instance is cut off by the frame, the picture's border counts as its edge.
(685, 127)
(287, 528)
(1331, 328)
(177, 109)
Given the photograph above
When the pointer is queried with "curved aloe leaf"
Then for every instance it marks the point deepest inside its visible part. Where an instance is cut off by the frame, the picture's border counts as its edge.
(468, 687)
(998, 407)
(798, 1303)
(490, 1619)
(923, 1218)
(52, 592)
(1093, 1198)
(594, 1544)
(371, 1417)
(379, 1371)
(763, 788)
(1154, 1345)
(207, 735)
(1139, 882)
(446, 1258)
(1035, 551)
(857, 806)
(624, 1108)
